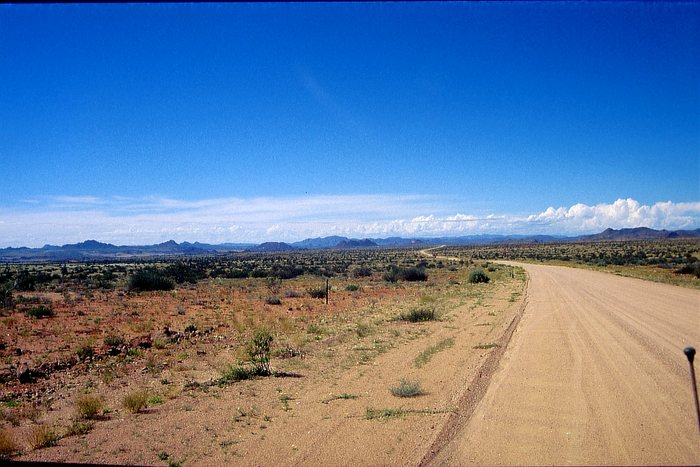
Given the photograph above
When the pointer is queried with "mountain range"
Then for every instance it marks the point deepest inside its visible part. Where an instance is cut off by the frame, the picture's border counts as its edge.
(94, 250)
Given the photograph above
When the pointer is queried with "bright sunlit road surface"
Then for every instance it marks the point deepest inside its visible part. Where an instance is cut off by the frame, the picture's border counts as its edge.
(594, 374)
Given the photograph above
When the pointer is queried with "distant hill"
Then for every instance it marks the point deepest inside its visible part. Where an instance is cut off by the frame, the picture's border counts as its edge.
(348, 244)
(398, 241)
(319, 243)
(92, 250)
(271, 246)
(639, 233)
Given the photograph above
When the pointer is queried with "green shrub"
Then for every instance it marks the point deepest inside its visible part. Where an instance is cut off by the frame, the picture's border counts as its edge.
(40, 311)
(6, 300)
(407, 388)
(478, 276)
(363, 330)
(391, 276)
(362, 271)
(150, 279)
(413, 274)
(85, 351)
(114, 341)
(415, 315)
(692, 268)
(80, 427)
(352, 287)
(318, 292)
(259, 351)
(135, 402)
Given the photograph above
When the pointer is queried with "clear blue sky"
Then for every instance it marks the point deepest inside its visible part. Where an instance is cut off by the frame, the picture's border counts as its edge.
(210, 122)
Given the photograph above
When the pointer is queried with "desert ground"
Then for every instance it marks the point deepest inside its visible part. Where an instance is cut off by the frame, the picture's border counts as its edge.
(541, 365)
(335, 395)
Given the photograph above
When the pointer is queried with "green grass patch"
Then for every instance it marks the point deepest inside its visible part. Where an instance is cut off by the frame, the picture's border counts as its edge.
(486, 346)
(425, 356)
(235, 373)
(389, 413)
(343, 396)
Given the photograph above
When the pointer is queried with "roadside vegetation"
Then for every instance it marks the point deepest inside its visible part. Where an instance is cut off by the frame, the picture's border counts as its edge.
(672, 261)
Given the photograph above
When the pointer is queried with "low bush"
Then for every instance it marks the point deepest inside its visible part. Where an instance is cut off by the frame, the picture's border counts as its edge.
(416, 315)
(692, 268)
(85, 351)
(273, 301)
(6, 300)
(352, 287)
(391, 276)
(40, 311)
(318, 292)
(80, 427)
(407, 388)
(478, 276)
(149, 280)
(362, 271)
(114, 341)
(363, 330)
(413, 275)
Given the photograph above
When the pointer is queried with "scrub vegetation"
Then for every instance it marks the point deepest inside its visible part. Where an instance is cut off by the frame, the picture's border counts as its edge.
(134, 340)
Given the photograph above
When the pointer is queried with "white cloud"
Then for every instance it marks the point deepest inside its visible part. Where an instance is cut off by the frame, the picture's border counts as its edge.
(120, 220)
(623, 213)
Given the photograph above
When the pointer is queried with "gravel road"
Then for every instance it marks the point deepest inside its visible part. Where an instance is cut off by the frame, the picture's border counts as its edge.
(594, 374)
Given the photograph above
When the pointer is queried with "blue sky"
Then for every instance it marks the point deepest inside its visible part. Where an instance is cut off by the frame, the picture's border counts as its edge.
(253, 122)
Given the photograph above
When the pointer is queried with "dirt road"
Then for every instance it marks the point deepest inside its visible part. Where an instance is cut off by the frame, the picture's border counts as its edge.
(595, 374)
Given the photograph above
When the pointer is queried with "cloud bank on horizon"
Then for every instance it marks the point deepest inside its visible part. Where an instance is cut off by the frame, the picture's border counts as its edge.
(133, 221)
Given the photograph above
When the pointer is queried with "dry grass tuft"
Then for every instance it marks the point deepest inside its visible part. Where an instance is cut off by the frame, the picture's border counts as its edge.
(8, 446)
(135, 402)
(88, 407)
(42, 436)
